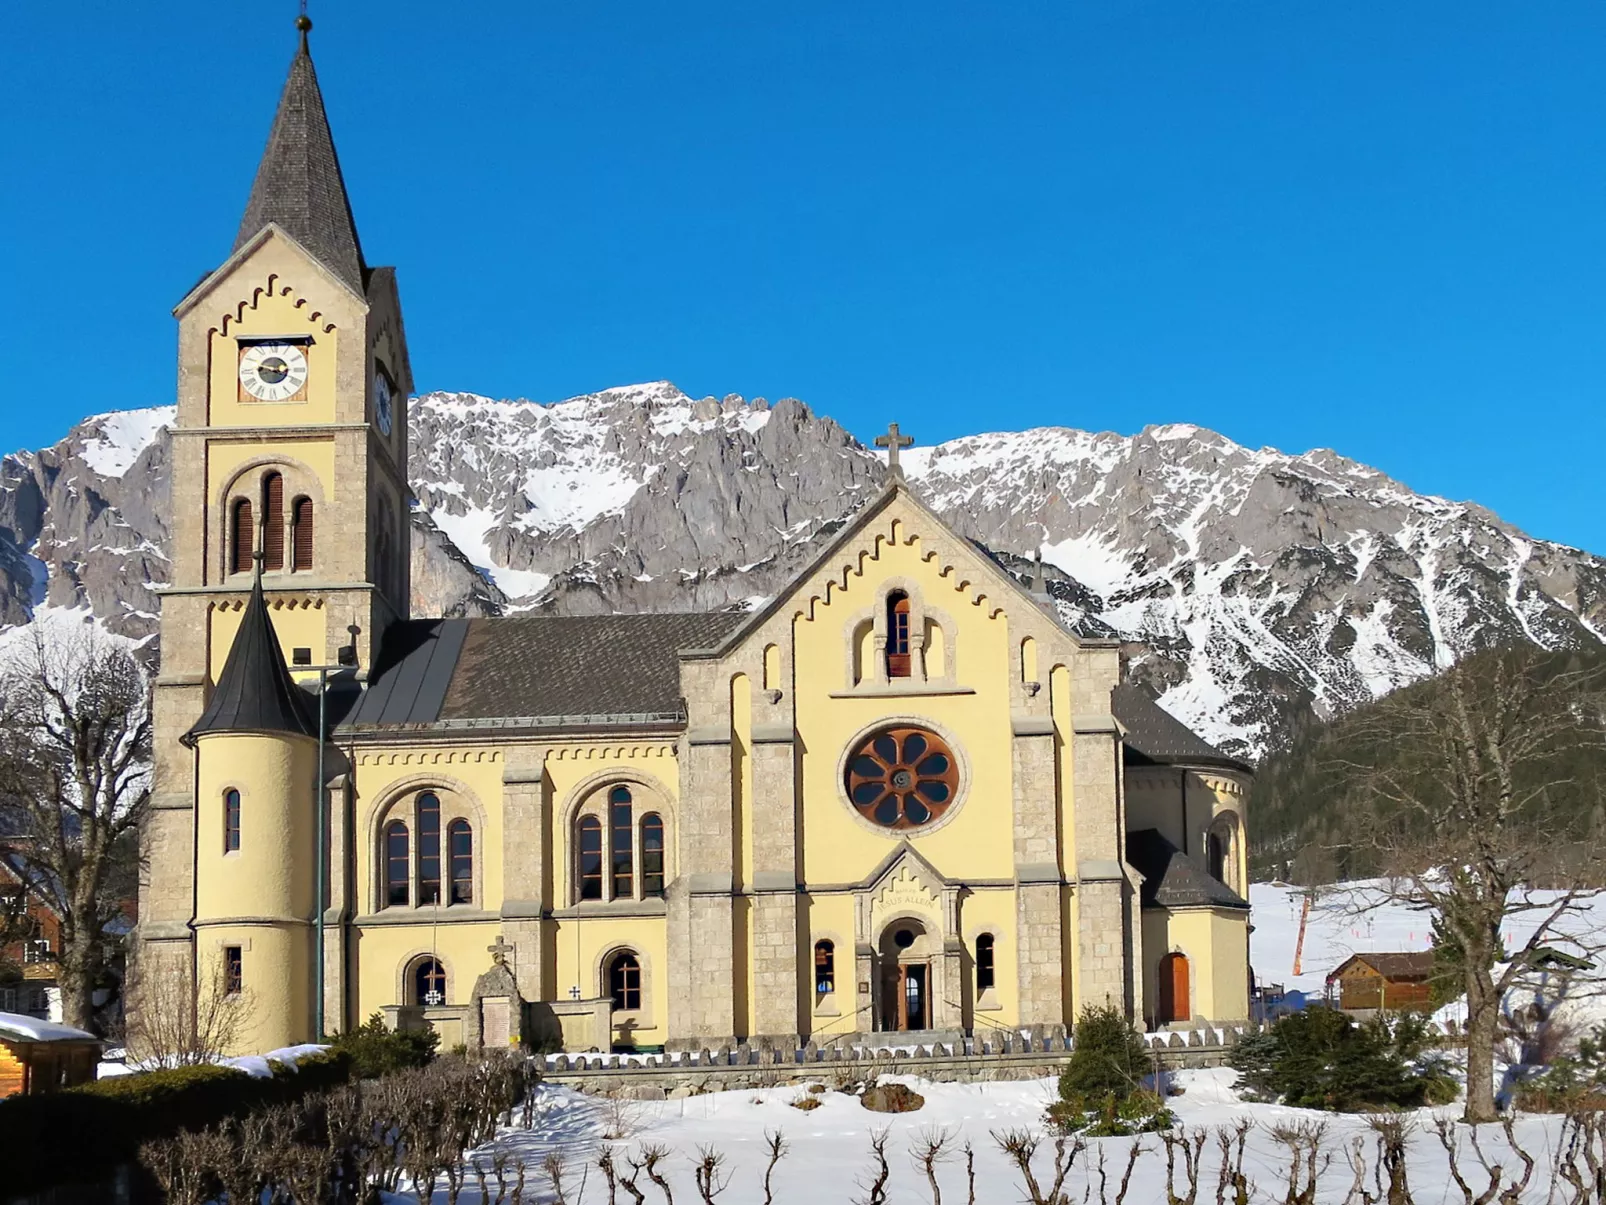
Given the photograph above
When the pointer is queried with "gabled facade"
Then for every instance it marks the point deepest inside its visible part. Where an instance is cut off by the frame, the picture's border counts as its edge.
(901, 797)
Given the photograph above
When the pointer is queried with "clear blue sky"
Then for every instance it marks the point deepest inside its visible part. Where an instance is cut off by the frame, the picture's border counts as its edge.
(1373, 226)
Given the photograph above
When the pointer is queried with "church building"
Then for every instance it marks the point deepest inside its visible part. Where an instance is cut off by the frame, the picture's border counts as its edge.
(902, 796)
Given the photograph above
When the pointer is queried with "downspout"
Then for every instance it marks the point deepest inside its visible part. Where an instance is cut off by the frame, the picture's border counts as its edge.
(322, 819)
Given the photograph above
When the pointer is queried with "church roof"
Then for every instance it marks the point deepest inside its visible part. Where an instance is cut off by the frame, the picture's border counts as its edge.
(255, 692)
(1153, 734)
(536, 671)
(1173, 879)
(298, 184)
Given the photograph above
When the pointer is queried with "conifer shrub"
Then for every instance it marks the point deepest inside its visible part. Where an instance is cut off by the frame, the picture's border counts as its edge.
(1572, 1083)
(1106, 1088)
(377, 1050)
(1320, 1058)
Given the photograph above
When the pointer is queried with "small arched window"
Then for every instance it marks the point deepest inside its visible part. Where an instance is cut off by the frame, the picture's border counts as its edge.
(624, 982)
(429, 848)
(621, 820)
(652, 856)
(429, 982)
(460, 839)
(396, 864)
(824, 968)
(273, 522)
(590, 845)
(301, 534)
(242, 537)
(231, 821)
(898, 659)
(1216, 856)
(984, 962)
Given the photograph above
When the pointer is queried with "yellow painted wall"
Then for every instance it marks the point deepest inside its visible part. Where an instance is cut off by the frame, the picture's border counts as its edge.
(1215, 942)
(830, 918)
(581, 945)
(273, 315)
(384, 951)
(296, 626)
(275, 1003)
(994, 912)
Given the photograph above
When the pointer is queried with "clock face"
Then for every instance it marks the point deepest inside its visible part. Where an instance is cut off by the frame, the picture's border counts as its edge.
(272, 372)
(382, 402)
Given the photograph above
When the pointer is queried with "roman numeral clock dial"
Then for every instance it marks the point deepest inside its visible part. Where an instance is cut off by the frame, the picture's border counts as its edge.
(273, 372)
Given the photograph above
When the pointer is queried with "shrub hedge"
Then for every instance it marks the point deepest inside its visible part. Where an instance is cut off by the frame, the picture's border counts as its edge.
(85, 1133)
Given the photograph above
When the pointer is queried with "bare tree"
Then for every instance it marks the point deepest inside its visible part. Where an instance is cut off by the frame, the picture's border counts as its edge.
(177, 1026)
(1477, 795)
(75, 751)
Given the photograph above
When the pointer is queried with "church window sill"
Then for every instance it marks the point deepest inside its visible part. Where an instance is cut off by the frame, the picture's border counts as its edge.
(902, 687)
(652, 907)
(449, 914)
(988, 1002)
(826, 1006)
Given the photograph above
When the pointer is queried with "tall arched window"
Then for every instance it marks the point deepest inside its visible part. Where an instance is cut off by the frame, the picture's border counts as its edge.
(460, 839)
(1216, 856)
(898, 659)
(652, 856)
(301, 534)
(590, 858)
(623, 857)
(397, 868)
(984, 962)
(273, 522)
(429, 849)
(824, 968)
(242, 537)
(429, 982)
(231, 821)
(624, 982)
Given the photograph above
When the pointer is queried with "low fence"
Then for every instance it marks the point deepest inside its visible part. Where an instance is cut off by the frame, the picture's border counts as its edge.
(1006, 1056)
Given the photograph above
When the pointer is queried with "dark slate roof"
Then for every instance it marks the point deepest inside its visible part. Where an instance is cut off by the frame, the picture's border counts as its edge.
(1155, 735)
(1173, 879)
(541, 670)
(298, 183)
(255, 692)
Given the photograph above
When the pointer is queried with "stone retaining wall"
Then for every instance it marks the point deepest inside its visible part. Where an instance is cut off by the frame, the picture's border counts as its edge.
(1006, 1057)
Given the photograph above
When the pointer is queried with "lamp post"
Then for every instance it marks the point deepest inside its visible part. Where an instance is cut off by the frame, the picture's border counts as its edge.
(321, 820)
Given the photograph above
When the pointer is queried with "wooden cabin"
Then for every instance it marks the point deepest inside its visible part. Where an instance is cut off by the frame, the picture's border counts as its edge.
(41, 1056)
(1390, 982)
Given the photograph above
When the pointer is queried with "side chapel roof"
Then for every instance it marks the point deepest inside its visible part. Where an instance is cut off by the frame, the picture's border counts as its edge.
(298, 184)
(255, 692)
(1173, 879)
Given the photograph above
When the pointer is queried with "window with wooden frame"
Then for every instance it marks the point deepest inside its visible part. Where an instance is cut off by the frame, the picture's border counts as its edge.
(233, 970)
(460, 844)
(429, 848)
(898, 656)
(652, 856)
(824, 968)
(231, 821)
(301, 531)
(398, 865)
(273, 522)
(984, 962)
(623, 855)
(590, 846)
(429, 982)
(242, 536)
(624, 982)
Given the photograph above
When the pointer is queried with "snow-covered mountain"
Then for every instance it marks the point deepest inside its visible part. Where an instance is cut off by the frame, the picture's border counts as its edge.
(1252, 587)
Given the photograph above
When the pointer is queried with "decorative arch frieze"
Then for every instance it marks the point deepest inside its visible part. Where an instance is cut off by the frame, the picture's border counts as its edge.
(271, 288)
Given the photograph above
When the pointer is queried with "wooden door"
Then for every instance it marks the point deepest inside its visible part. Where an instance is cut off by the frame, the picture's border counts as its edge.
(1174, 1002)
(912, 1003)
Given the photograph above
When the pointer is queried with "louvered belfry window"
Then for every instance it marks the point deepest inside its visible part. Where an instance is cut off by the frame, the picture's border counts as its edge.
(242, 539)
(273, 522)
(301, 534)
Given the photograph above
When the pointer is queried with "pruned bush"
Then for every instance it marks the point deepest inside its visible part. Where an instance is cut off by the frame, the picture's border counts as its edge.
(1320, 1058)
(1102, 1089)
(377, 1050)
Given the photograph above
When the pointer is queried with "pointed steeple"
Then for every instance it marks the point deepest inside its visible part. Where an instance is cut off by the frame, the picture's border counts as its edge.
(255, 692)
(298, 183)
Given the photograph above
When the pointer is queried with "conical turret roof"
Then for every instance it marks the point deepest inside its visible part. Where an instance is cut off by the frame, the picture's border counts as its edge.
(255, 692)
(298, 183)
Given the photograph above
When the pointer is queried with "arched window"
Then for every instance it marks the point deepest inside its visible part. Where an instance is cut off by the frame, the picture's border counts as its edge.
(231, 821)
(429, 849)
(429, 982)
(984, 962)
(396, 863)
(301, 534)
(590, 858)
(1216, 856)
(898, 635)
(652, 856)
(461, 841)
(621, 817)
(242, 537)
(624, 982)
(273, 522)
(824, 967)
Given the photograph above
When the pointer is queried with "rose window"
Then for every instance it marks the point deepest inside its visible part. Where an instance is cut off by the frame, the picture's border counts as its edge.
(902, 777)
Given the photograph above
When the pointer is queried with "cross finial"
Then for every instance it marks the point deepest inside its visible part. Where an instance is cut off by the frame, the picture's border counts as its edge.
(499, 951)
(892, 441)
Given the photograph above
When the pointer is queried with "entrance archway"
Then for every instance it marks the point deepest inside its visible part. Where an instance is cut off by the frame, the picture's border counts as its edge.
(1175, 1005)
(906, 999)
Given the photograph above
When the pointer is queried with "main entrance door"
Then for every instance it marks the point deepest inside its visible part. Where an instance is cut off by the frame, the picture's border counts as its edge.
(913, 995)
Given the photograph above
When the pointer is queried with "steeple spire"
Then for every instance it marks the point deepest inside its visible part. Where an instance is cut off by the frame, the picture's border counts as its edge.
(298, 183)
(255, 692)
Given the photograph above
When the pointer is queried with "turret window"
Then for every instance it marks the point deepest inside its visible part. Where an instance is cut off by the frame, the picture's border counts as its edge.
(301, 534)
(242, 537)
(618, 854)
(233, 970)
(231, 821)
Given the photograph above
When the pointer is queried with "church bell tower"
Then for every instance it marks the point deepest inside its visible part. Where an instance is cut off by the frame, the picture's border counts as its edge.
(289, 468)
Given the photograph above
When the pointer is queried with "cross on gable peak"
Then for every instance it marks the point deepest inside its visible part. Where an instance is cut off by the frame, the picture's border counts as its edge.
(893, 441)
